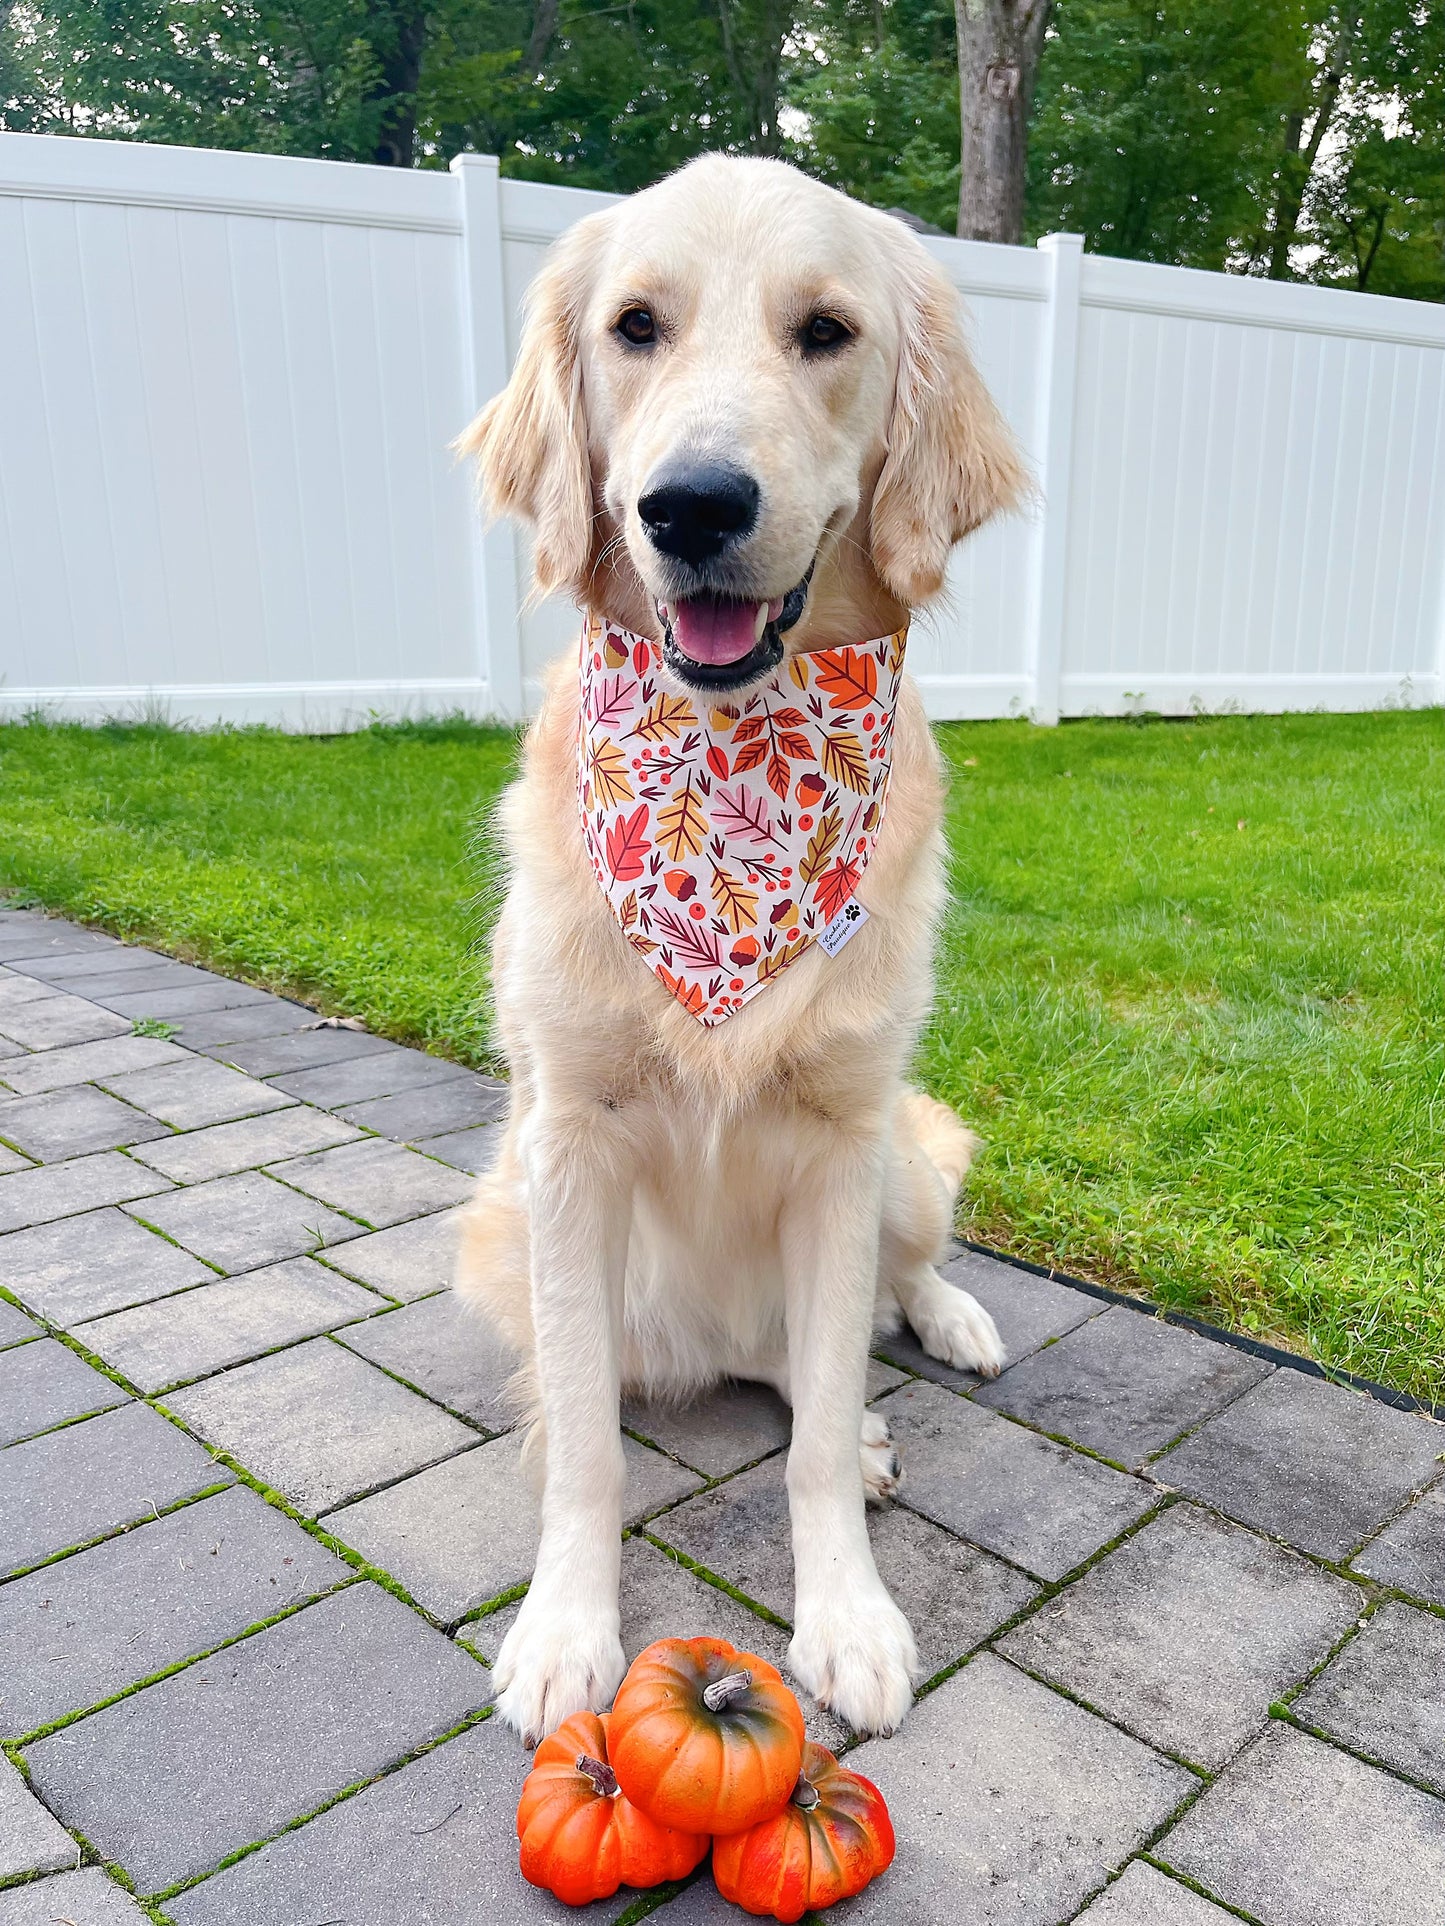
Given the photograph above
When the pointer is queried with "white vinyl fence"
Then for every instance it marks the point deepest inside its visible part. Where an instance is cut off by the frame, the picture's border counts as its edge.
(228, 383)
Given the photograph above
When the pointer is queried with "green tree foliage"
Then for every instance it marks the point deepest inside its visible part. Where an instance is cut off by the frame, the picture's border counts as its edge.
(874, 92)
(1295, 139)
(1155, 127)
(1303, 138)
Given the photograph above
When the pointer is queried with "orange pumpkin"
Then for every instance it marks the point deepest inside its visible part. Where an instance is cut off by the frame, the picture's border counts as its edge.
(581, 1836)
(831, 1838)
(704, 1737)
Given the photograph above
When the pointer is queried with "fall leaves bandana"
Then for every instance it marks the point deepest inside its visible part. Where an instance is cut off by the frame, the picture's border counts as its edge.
(730, 836)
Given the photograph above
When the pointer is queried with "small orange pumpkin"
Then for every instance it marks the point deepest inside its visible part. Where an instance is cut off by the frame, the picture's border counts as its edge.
(581, 1836)
(831, 1838)
(704, 1737)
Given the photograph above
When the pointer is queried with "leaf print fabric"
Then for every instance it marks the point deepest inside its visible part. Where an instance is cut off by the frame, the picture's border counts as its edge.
(726, 836)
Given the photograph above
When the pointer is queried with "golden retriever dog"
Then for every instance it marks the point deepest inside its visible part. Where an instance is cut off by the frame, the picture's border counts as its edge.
(743, 425)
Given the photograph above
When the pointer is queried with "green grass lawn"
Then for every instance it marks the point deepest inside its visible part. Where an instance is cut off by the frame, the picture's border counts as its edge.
(1190, 992)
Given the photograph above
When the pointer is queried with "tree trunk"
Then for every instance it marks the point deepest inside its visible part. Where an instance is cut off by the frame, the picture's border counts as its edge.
(401, 58)
(1300, 155)
(539, 41)
(999, 43)
(753, 50)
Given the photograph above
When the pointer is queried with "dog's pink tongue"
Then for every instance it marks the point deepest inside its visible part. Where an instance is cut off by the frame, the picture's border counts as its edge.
(713, 631)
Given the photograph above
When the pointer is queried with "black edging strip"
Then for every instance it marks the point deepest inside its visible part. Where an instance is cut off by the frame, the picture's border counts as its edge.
(1271, 1353)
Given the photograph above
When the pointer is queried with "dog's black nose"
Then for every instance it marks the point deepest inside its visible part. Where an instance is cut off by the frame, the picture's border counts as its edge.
(696, 511)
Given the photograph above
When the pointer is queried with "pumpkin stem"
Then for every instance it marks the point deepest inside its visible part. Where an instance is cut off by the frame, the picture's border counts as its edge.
(604, 1779)
(723, 1693)
(805, 1793)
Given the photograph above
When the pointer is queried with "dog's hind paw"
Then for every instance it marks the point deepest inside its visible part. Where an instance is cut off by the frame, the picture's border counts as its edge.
(955, 1328)
(882, 1467)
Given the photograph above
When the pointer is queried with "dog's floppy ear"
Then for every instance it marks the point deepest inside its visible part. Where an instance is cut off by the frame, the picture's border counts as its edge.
(530, 441)
(952, 460)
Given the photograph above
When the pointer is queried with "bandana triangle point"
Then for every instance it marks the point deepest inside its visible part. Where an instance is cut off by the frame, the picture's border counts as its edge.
(728, 836)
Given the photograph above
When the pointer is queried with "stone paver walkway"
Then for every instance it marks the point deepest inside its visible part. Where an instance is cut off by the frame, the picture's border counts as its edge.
(263, 1526)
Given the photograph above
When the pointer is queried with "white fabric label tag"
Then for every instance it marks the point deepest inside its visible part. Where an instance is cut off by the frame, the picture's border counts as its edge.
(849, 920)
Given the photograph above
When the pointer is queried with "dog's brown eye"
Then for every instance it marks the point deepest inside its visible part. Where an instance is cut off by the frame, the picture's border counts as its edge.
(825, 331)
(637, 326)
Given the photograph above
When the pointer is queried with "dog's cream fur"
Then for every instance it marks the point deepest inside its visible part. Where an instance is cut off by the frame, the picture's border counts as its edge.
(673, 1203)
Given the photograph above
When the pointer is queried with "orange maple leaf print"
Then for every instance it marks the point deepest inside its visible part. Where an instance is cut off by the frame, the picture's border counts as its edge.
(849, 677)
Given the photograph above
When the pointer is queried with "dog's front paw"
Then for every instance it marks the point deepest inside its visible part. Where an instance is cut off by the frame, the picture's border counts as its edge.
(555, 1661)
(855, 1654)
(955, 1328)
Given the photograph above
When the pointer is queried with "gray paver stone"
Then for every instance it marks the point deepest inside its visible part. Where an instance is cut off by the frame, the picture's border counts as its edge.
(198, 1092)
(304, 1049)
(17, 990)
(26, 935)
(9, 1049)
(1299, 1834)
(31, 1840)
(1144, 1896)
(433, 1842)
(1385, 1693)
(65, 1190)
(84, 1898)
(740, 1532)
(213, 1032)
(383, 1073)
(434, 1110)
(15, 1327)
(171, 1779)
(169, 1004)
(239, 1223)
(1410, 1552)
(82, 1267)
(446, 1351)
(75, 1484)
(1028, 1311)
(223, 1149)
(376, 1180)
(952, 1595)
(44, 1384)
(11, 1159)
(717, 1432)
(85, 959)
(87, 1062)
(465, 1530)
(162, 974)
(74, 1121)
(1037, 1503)
(1124, 1385)
(319, 1423)
(1310, 1462)
(471, 1150)
(77, 1632)
(1015, 1804)
(224, 1323)
(409, 1261)
(49, 1023)
(1187, 1633)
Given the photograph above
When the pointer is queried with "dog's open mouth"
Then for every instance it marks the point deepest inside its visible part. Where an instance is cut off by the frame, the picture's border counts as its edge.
(719, 642)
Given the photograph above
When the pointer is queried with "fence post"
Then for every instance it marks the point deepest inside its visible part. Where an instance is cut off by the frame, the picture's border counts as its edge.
(1056, 446)
(484, 344)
